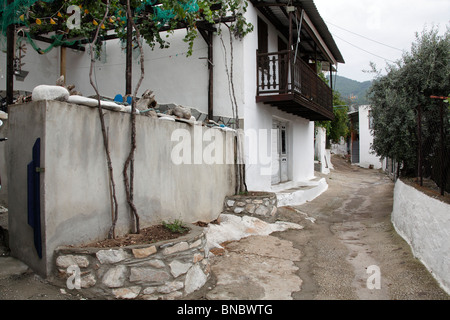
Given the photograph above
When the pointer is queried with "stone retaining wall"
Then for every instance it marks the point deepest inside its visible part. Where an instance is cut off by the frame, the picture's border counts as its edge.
(165, 270)
(257, 204)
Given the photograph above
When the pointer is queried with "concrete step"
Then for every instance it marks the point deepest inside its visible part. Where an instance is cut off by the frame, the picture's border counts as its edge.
(295, 193)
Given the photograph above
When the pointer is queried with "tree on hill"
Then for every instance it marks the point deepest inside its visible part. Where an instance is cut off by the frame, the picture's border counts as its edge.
(349, 88)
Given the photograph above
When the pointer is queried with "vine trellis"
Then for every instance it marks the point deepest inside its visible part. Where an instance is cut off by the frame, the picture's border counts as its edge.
(129, 21)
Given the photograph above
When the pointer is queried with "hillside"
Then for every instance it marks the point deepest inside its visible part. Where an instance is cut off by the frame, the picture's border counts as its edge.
(351, 88)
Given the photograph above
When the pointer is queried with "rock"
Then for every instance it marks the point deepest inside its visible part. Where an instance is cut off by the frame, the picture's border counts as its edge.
(115, 277)
(151, 114)
(60, 82)
(75, 93)
(238, 210)
(127, 293)
(88, 281)
(195, 244)
(147, 102)
(262, 211)
(250, 208)
(148, 275)
(230, 203)
(46, 92)
(182, 112)
(111, 256)
(178, 268)
(149, 290)
(172, 296)
(144, 252)
(70, 260)
(197, 257)
(182, 246)
(195, 279)
(274, 211)
(158, 264)
(171, 287)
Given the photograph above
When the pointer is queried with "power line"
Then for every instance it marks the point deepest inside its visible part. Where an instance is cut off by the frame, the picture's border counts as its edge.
(359, 35)
(364, 49)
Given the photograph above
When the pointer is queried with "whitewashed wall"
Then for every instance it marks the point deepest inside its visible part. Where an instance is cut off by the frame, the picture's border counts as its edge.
(424, 223)
(259, 118)
(43, 69)
(174, 77)
(366, 157)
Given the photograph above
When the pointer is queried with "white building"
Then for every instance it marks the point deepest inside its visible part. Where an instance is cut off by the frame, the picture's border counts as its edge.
(276, 88)
(362, 138)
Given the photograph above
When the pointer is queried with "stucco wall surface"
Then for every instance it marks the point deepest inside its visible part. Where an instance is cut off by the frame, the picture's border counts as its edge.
(424, 223)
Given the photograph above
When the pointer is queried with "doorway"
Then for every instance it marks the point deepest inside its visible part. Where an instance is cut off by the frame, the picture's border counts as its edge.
(279, 151)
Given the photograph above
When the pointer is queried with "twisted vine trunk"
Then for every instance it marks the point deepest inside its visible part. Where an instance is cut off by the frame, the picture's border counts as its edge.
(114, 204)
(129, 163)
(241, 186)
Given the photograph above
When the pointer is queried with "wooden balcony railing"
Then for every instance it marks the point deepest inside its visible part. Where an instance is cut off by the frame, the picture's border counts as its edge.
(276, 75)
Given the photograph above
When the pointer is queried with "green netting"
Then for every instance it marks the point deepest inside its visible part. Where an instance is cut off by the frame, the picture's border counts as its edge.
(11, 14)
(165, 16)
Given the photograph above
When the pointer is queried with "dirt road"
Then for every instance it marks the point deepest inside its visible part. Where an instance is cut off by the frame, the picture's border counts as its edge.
(347, 249)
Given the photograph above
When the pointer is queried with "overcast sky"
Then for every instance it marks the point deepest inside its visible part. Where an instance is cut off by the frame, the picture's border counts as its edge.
(381, 27)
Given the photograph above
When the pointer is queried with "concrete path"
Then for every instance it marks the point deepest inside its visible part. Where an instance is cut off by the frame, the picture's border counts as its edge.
(346, 250)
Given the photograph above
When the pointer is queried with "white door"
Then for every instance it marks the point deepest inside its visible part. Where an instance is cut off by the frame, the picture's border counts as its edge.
(275, 154)
(279, 152)
(283, 153)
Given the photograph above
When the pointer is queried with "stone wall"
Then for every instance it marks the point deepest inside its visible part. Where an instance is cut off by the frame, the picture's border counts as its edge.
(262, 205)
(165, 270)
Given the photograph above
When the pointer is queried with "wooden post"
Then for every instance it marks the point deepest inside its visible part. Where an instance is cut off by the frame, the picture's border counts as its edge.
(419, 134)
(62, 63)
(211, 76)
(10, 55)
(129, 60)
(331, 78)
(290, 63)
(443, 175)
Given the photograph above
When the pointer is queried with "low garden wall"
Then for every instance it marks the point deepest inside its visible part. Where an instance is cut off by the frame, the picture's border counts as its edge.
(424, 222)
(72, 198)
(165, 270)
(262, 205)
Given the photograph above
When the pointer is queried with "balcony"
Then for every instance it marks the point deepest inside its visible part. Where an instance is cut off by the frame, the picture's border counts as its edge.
(292, 87)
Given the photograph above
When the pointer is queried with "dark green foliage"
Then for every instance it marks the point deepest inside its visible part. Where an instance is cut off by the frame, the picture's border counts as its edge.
(423, 72)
